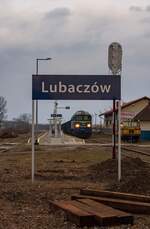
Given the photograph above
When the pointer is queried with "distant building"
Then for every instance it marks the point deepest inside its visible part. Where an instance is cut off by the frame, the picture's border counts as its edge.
(135, 110)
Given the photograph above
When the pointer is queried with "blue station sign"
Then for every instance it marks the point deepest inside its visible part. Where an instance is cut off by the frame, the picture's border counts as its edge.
(76, 87)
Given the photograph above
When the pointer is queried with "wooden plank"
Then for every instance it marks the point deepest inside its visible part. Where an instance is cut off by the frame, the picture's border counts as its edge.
(119, 195)
(119, 217)
(74, 214)
(129, 206)
(104, 215)
(90, 213)
(99, 218)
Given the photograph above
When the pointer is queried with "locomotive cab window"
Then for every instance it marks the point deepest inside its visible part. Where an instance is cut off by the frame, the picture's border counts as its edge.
(83, 118)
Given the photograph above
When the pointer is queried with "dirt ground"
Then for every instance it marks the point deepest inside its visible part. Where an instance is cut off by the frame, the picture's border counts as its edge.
(60, 172)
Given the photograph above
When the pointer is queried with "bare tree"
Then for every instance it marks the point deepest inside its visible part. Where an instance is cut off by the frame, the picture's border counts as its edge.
(3, 110)
(26, 118)
(23, 122)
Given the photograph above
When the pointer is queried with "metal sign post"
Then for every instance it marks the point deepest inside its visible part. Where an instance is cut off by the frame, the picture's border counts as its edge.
(119, 140)
(33, 149)
(114, 130)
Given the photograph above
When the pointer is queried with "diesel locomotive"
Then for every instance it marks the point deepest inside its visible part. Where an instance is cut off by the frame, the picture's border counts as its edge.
(130, 131)
(80, 125)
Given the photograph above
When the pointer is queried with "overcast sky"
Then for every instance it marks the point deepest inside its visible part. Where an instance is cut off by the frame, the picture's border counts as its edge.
(76, 34)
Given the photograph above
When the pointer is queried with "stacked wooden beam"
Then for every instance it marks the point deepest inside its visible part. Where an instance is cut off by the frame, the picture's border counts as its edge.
(74, 213)
(86, 212)
(116, 195)
(126, 202)
(103, 208)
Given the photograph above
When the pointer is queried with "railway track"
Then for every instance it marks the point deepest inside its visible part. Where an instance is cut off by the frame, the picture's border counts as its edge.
(143, 155)
(136, 151)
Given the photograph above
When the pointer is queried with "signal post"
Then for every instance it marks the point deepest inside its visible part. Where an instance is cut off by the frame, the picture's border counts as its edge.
(115, 65)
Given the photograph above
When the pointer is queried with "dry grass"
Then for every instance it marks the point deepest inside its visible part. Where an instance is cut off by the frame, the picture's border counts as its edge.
(60, 172)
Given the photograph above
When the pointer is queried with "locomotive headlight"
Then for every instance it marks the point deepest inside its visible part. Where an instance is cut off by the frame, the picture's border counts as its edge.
(77, 125)
(89, 125)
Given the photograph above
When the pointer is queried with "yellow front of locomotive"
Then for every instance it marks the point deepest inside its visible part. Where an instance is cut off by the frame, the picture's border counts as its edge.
(130, 130)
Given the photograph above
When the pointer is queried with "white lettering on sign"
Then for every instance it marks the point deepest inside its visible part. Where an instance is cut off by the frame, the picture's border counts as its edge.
(81, 88)
(71, 88)
(105, 88)
(43, 88)
(86, 88)
(78, 89)
(62, 88)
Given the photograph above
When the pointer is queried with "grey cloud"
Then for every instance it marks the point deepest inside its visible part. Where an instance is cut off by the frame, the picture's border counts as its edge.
(136, 8)
(139, 8)
(147, 8)
(147, 34)
(58, 13)
(54, 21)
(76, 48)
(145, 20)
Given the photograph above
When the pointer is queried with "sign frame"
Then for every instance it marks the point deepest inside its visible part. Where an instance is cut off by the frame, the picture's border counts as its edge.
(76, 87)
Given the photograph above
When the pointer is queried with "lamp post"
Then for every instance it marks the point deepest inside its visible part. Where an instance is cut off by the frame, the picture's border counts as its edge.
(36, 107)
